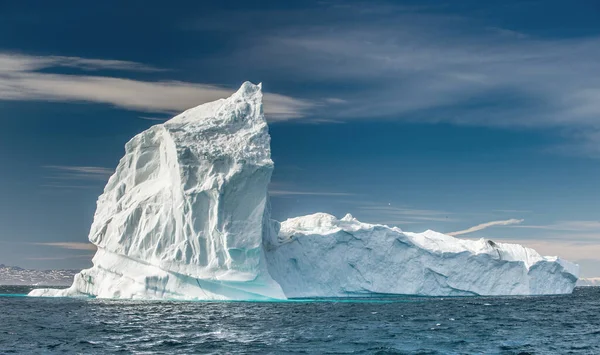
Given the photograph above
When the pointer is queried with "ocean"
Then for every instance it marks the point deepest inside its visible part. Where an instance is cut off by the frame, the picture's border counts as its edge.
(377, 325)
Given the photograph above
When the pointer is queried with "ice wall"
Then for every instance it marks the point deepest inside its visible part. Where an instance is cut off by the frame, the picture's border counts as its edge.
(322, 256)
(182, 215)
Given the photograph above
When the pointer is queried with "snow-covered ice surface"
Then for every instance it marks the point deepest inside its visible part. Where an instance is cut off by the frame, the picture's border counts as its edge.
(186, 216)
(322, 256)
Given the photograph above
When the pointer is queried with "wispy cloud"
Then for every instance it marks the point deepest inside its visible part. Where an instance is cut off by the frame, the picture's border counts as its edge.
(289, 193)
(67, 172)
(10, 62)
(86, 170)
(323, 120)
(20, 79)
(387, 213)
(160, 119)
(569, 226)
(62, 186)
(508, 33)
(486, 225)
(568, 231)
(514, 211)
(410, 69)
(418, 65)
(335, 100)
(70, 245)
(67, 177)
(576, 241)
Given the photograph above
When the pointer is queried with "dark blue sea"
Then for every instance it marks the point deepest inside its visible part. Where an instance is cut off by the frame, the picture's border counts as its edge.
(402, 325)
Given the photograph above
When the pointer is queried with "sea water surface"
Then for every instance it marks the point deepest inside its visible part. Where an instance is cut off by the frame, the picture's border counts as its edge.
(398, 325)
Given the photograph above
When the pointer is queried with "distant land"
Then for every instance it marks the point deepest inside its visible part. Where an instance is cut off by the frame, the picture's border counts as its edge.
(592, 281)
(16, 276)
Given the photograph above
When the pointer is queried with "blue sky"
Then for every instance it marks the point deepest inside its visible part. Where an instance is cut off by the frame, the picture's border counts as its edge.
(422, 114)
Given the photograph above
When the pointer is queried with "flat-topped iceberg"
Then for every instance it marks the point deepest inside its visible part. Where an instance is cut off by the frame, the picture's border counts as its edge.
(322, 256)
(186, 216)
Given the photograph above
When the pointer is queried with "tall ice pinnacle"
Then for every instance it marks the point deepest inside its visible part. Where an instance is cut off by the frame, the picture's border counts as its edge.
(182, 216)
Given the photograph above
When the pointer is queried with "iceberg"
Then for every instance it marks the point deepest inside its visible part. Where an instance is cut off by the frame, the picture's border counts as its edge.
(186, 216)
(182, 216)
(322, 256)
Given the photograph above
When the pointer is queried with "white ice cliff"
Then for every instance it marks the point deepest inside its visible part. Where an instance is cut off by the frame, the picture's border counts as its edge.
(186, 216)
(182, 216)
(321, 256)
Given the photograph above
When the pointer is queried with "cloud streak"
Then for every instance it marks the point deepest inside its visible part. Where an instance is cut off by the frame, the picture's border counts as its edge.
(486, 225)
(86, 170)
(70, 245)
(418, 65)
(386, 213)
(409, 68)
(289, 193)
(69, 177)
(20, 80)
(420, 72)
(68, 172)
(568, 226)
(22, 63)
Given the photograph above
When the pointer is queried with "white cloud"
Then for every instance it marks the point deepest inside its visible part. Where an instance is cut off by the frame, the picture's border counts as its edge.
(508, 33)
(19, 80)
(60, 186)
(67, 172)
(335, 100)
(67, 177)
(323, 120)
(20, 63)
(569, 226)
(422, 66)
(514, 211)
(408, 69)
(92, 170)
(385, 213)
(70, 245)
(288, 193)
(486, 225)
(150, 118)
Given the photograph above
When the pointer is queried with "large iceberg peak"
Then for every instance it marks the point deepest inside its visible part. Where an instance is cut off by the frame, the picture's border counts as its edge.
(248, 89)
(247, 99)
(234, 127)
(182, 216)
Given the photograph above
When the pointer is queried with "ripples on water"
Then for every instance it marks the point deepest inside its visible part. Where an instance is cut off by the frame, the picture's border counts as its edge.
(490, 325)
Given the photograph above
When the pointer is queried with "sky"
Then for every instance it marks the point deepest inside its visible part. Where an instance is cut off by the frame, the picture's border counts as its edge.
(476, 118)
